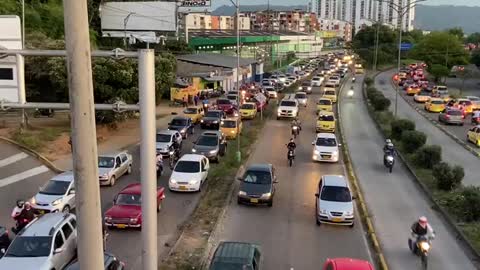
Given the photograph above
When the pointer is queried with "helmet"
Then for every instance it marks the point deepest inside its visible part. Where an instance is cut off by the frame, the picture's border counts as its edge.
(387, 141)
(291, 139)
(422, 220)
(390, 145)
(20, 203)
(27, 205)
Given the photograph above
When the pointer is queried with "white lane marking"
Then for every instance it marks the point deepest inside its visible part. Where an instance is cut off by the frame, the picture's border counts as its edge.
(12, 159)
(23, 175)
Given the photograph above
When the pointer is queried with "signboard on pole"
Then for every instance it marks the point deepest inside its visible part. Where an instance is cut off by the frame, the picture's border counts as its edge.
(195, 3)
(406, 46)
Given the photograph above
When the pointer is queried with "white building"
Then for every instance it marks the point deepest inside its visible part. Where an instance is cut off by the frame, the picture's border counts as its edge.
(365, 12)
(11, 39)
(342, 28)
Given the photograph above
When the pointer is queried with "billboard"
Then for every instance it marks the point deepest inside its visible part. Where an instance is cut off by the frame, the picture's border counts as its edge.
(195, 3)
(138, 16)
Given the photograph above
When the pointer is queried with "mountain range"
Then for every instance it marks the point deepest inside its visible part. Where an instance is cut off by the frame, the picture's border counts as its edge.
(430, 18)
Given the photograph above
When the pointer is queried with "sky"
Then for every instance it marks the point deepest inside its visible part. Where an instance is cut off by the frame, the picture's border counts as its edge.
(217, 3)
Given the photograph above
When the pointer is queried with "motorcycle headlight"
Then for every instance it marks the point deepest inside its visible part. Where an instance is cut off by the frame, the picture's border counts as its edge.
(425, 246)
(201, 121)
(242, 193)
(232, 131)
(194, 150)
(56, 202)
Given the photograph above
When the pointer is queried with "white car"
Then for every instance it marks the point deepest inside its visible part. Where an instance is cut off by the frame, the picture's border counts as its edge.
(287, 83)
(302, 98)
(334, 201)
(287, 108)
(293, 79)
(317, 81)
(272, 93)
(282, 78)
(112, 166)
(165, 139)
(57, 195)
(233, 99)
(335, 79)
(325, 148)
(189, 173)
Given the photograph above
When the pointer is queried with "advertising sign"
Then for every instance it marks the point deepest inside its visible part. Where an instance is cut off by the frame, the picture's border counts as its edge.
(195, 3)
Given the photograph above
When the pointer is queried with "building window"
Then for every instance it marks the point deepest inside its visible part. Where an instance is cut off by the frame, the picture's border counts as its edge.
(6, 74)
(362, 9)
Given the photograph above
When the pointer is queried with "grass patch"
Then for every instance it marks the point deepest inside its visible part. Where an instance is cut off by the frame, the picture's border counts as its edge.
(191, 247)
(472, 231)
(37, 138)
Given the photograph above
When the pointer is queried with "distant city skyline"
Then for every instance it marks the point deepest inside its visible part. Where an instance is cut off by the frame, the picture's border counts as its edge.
(217, 3)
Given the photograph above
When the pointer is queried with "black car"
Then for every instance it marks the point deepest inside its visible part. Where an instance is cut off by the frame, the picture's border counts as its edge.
(212, 119)
(182, 124)
(4, 240)
(257, 185)
(110, 262)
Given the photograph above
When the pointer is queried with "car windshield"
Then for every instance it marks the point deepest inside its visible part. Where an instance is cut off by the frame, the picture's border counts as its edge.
(229, 124)
(325, 102)
(437, 102)
(334, 78)
(179, 122)
(232, 97)
(30, 246)
(316, 79)
(330, 93)
(190, 111)
(184, 166)
(247, 106)
(307, 83)
(129, 199)
(301, 96)
(326, 142)
(163, 138)
(454, 112)
(329, 86)
(465, 102)
(106, 162)
(257, 177)
(55, 187)
(213, 114)
(326, 118)
(207, 141)
(223, 101)
(336, 194)
(288, 103)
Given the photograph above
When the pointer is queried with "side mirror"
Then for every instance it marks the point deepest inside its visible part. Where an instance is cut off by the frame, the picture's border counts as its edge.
(71, 192)
(317, 195)
(313, 143)
(117, 165)
(58, 250)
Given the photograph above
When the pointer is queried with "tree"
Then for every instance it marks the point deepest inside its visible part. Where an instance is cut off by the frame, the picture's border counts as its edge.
(458, 32)
(470, 204)
(440, 48)
(428, 156)
(475, 58)
(401, 125)
(412, 140)
(473, 38)
(448, 178)
(363, 44)
(438, 71)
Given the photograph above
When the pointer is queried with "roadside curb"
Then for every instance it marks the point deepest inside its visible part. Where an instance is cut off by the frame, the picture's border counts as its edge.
(439, 126)
(381, 261)
(473, 255)
(35, 154)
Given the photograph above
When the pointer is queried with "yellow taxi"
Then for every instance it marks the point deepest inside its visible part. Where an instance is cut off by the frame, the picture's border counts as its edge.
(413, 90)
(195, 113)
(330, 94)
(435, 105)
(324, 104)
(422, 97)
(473, 135)
(465, 104)
(231, 127)
(326, 122)
(248, 110)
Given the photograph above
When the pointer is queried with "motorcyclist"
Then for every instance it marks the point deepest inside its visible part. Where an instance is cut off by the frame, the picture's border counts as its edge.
(176, 149)
(25, 216)
(420, 228)
(296, 122)
(291, 145)
(354, 79)
(389, 147)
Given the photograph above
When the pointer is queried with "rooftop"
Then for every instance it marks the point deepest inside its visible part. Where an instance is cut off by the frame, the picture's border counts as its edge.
(243, 33)
(335, 180)
(217, 60)
(191, 157)
(260, 167)
(65, 176)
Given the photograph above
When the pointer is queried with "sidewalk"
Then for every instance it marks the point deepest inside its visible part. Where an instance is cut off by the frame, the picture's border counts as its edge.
(394, 200)
(123, 138)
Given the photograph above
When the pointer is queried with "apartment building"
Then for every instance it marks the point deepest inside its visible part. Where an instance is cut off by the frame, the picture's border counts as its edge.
(296, 20)
(206, 21)
(343, 29)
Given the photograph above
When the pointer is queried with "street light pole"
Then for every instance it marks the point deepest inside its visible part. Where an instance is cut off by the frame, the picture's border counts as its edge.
(84, 136)
(125, 21)
(237, 6)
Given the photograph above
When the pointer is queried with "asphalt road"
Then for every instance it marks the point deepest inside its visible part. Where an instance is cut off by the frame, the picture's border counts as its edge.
(286, 232)
(452, 152)
(394, 200)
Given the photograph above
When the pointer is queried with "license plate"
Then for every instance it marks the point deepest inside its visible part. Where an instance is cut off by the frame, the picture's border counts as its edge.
(182, 188)
(121, 226)
(336, 219)
(41, 212)
(254, 200)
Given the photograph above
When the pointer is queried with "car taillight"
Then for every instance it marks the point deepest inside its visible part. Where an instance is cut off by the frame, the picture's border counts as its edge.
(447, 116)
(463, 116)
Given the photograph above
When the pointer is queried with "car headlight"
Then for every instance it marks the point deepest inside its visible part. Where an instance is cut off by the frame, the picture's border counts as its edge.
(425, 246)
(232, 131)
(33, 200)
(108, 219)
(215, 122)
(194, 150)
(299, 88)
(182, 131)
(279, 111)
(173, 181)
(133, 220)
(309, 88)
(56, 202)
(201, 121)
(349, 213)
(242, 193)
(193, 182)
(105, 175)
(213, 151)
(316, 152)
(323, 211)
(335, 153)
(266, 195)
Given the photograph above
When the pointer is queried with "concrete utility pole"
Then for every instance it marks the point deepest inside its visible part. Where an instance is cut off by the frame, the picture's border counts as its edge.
(84, 137)
(237, 6)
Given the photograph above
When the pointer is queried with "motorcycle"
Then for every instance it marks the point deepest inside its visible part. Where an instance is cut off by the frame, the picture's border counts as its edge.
(20, 223)
(421, 247)
(4, 241)
(388, 161)
(353, 79)
(350, 92)
(159, 168)
(174, 156)
(44, 112)
(295, 131)
(291, 157)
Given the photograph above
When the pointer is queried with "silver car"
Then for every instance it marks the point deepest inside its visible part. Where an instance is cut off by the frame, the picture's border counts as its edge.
(48, 242)
(302, 98)
(112, 166)
(211, 144)
(451, 116)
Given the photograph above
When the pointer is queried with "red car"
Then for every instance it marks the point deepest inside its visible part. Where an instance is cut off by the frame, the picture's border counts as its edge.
(127, 207)
(347, 264)
(225, 105)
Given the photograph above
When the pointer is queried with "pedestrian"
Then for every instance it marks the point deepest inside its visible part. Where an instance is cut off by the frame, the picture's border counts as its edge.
(195, 100)
(184, 101)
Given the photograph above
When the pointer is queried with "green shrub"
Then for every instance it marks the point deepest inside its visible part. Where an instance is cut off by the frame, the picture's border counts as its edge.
(381, 103)
(368, 81)
(470, 204)
(412, 140)
(448, 178)
(401, 125)
(428, 156)
(372, 92)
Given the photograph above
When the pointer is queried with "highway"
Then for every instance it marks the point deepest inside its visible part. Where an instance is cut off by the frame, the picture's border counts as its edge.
(452, 152)
(286, 232)
(394, 200)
